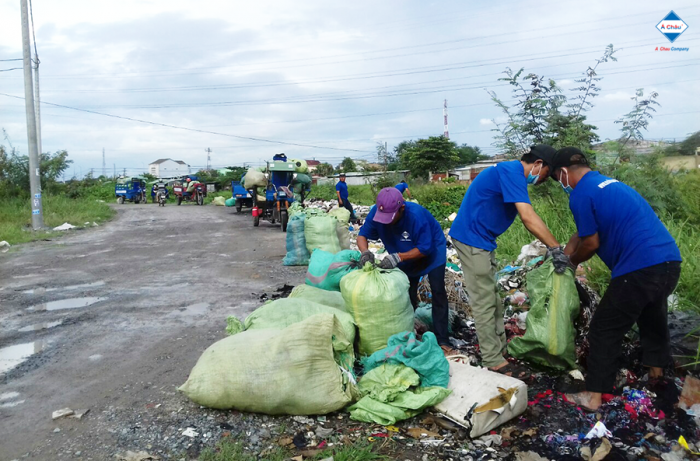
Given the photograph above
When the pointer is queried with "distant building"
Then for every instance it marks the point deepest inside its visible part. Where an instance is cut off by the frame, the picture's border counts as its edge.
(167, 168)
(312, 164)
(469, 172)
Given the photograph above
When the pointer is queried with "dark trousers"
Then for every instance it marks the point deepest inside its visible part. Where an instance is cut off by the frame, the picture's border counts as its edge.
(441, 309)
(347, 205)
(639, 297)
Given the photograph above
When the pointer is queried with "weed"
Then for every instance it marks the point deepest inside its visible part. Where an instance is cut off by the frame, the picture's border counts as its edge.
(233, 450)
(16, 216)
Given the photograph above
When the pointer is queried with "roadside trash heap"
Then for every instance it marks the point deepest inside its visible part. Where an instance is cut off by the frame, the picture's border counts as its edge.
(345, 341)
(349, 341)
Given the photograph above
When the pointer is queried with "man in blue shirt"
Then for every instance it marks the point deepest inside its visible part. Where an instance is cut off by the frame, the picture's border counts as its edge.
(341, 190)
(416, 245)
(616, 223)
(403, 188)
(494, 198)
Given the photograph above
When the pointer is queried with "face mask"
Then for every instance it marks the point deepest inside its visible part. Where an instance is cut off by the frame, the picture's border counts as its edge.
(532, 179)
(568, 189)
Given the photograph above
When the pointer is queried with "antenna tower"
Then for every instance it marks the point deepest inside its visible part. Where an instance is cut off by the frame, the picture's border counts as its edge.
(208, 151)
(444, 115)
(104, 164)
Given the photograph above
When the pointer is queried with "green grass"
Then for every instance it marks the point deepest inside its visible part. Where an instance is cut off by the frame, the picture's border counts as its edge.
(232, 450)
(16, 217)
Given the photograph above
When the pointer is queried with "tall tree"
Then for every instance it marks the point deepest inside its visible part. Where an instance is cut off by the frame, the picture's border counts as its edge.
(437, 153)
(468, 154)
(324, 169)
(348, 165)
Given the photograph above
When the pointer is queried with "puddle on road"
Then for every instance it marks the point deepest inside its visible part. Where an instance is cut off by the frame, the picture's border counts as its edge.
(11, 404)
(12, 356)
(40, 326)
(8, 396)
(42, 290)
(72, 303)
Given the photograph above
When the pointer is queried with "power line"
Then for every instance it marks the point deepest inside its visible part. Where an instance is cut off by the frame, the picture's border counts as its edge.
(189, 129)
(8, 60)
(470, 39)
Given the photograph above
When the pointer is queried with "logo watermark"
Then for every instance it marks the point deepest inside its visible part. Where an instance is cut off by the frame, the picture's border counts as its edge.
(672, 26)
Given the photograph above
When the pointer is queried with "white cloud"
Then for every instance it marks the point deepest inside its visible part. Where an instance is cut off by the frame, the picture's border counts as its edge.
(334, 75)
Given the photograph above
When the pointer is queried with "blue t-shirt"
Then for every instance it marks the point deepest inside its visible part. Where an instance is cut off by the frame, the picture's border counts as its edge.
(488, 208)
(631, 236)
(343, 189)
(416, 229)
(402, 186)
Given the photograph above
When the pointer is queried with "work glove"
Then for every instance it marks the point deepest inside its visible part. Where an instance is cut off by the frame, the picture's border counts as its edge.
(559, 259)
(390, 262)
(366, 257)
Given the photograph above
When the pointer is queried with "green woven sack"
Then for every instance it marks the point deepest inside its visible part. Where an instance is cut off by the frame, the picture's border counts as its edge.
(554, 306)
(294, 371)
(378, 301)
(297, 253)
(326, 270)
(390, 395)
(321, 233)
(288, 311)
(320, 296)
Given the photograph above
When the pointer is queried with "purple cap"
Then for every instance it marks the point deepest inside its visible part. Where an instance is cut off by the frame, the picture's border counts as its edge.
(389, 201)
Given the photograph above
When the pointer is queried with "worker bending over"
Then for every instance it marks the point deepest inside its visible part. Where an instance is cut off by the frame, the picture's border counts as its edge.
(616, 223)
(416, 245)
(494, 198)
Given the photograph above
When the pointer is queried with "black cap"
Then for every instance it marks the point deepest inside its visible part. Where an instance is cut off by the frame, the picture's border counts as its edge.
(565, 157)
(341, 175)
(545, 152)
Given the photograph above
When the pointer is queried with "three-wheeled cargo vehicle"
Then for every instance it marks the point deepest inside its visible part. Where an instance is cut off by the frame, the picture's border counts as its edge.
(130, 190)
(189, 189)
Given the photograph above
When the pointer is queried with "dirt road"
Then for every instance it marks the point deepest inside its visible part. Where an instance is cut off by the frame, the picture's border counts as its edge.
(154, 287)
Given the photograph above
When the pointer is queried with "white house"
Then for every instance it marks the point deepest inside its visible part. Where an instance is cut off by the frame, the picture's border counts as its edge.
(166, 168)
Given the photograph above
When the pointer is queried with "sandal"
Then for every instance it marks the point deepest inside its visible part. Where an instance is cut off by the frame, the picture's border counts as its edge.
(514, 371)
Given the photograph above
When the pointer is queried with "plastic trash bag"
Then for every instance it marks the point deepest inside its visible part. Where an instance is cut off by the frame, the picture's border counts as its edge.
(231, 201)
(297, 253)
(554, 306)
(293, 371)
(378, 301)
(219, 201)
(326, 270)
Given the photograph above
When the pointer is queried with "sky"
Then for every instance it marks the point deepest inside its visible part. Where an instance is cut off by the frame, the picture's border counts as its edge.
(314, 79)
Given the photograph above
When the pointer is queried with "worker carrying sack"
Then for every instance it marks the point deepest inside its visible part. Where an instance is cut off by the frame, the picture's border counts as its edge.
(554, 306)
(297, 253)
(299, 370)
(378, 301)
(326, 270)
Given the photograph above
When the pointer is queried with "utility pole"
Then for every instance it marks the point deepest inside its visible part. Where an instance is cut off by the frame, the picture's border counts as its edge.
(446, 134)
(386, 154)
(104, 165)
(208, 151)
(125, 172)
(34, 173)
(114, 166)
